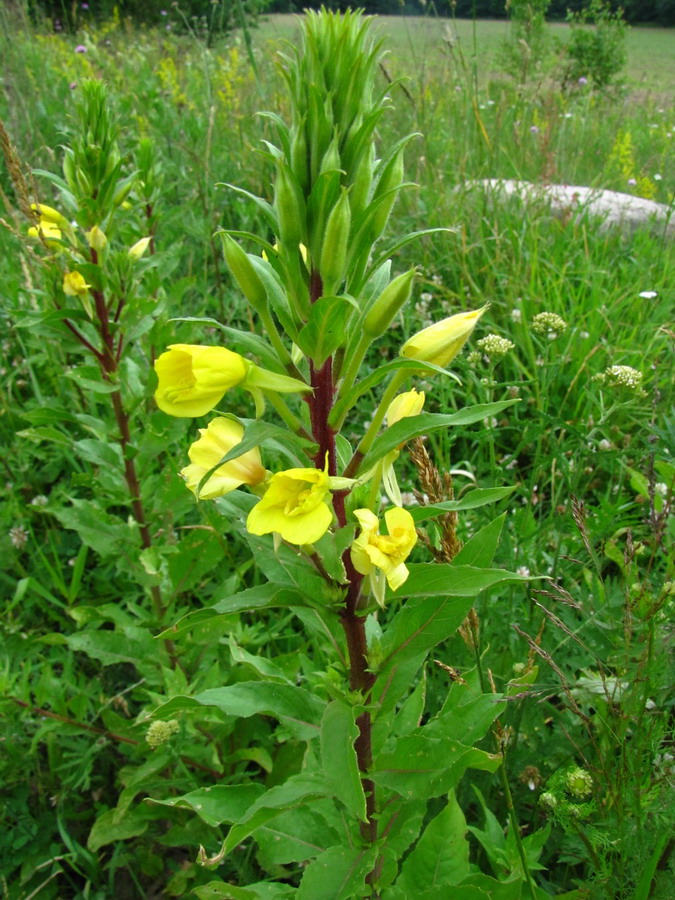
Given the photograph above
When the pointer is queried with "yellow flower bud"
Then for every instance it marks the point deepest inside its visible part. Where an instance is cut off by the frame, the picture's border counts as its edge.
(294, 506)
(387, 552)
(193, 379)
(96, 239)
(410, 403)
(74, 285)
(441, 342)
(139, 248)
(216, 441)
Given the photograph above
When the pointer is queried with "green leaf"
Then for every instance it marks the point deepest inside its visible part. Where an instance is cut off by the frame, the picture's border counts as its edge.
(345, 403)
(339, 873)
(129, 644)
(480, 549)
(296, 791)
(112, 826)
(265, 596)
(493, 889)
(441, 856)
(263, 890)
(100, 453)
(338, 757)
(89, 379)
(102, 532)
(471, 500)
(45, 433)
(297, 709)
(294, 836)
(402, 242)
(426, 767)
(217, 804)
(465, 716)
(326, 328)
(414, 426)
(258, 433)
(450, 580)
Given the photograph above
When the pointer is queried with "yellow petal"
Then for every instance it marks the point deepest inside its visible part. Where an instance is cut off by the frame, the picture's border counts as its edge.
(440, 343)
(410, 403)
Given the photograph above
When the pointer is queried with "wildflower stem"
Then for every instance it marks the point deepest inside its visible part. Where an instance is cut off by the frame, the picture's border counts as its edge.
(285, 413)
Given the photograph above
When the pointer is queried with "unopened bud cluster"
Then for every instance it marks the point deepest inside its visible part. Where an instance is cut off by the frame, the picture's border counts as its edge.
(621, 378)
(160, 732)
(549, 324)
(495, 346)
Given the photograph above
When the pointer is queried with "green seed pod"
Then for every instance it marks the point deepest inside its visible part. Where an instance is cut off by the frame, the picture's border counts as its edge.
(290, 209)
(391, 179)
(388, 304)
(334, 248)
(244, 273)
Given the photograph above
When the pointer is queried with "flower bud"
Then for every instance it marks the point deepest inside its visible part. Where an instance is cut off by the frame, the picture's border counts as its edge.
(440, 343)
(334, 249)
(387, 189)
(388, 304)
(49, 214)
(410, 403)
(290, 208)
(96, 239)
(48, 231)
(245, 275)
(139, 248)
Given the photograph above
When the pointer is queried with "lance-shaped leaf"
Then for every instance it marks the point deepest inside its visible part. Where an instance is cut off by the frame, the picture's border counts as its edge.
(218, 803)
(415, 426)
(338, 756)
(441, 856)
(472, 500)
(339, 873)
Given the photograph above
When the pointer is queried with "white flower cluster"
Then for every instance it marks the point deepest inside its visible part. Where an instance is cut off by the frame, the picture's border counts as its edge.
(495, 346)
(621, 377)
(550, 324)
(18, 536)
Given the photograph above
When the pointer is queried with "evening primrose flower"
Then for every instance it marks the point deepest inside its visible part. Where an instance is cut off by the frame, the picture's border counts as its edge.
(216, 441)
(46, 230)
(51, 215)
(386, 552)
(441, 342)
(296, 505)
(74, 285)
(193, 379)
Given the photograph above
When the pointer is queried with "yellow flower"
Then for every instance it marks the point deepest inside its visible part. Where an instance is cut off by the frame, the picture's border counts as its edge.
(410, 403)
(46, 230)
(216, 441)
(295, 506)
(441, 342)
(74, 285)
(193, 379)
(51, 215)
(387, 552)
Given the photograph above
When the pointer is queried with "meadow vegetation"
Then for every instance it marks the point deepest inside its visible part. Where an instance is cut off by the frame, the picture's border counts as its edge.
(116, 582)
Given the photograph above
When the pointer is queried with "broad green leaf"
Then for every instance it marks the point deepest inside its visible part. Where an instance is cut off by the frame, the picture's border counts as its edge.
(326, 328)
(99, 452)
(496, 890)
(294, 836)
(298, 710)
(441, 856)
(465, 716)
(129, 644)
(414, 426)
(338, 757)
(265, 596)
(217, 804)
(102, 532)
(298, 790)
(480, 549)
(426, 767)
(45, 433)
(47, 415)
(260, 664)
(472, 500)
(114, 826)
(410, 715)
(339, 873)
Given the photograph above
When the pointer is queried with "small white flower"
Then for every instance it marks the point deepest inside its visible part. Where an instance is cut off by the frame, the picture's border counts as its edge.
(39, 500)
(604, 444)
(18, 536)
(648, 295)
(657, 176)
(517, 315)
(661, 489)
(523, 570)
(495, 346)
